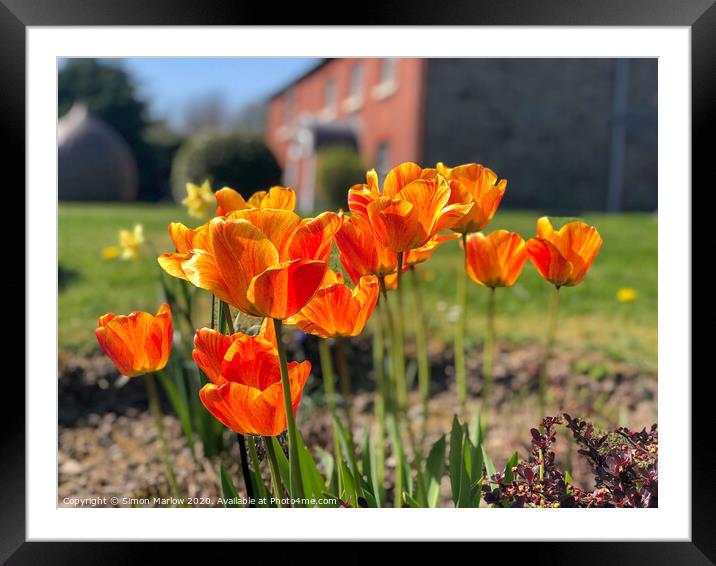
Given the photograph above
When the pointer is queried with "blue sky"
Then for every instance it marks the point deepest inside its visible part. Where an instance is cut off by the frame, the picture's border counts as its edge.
(170, 84)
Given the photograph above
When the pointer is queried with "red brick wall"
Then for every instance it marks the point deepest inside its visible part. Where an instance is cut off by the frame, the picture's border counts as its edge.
(394, 117)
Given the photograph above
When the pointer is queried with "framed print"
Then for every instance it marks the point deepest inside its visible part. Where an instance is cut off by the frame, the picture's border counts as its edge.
(411, 266)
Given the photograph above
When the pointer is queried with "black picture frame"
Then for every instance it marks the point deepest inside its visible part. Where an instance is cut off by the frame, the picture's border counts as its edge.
(699, 15)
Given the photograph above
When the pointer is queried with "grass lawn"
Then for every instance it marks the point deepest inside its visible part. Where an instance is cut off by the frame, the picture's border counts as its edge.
(590, 315)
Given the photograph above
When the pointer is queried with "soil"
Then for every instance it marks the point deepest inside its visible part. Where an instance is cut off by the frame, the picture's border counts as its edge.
(108, 446)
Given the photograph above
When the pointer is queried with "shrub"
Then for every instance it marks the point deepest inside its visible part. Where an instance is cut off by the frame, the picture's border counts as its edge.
(624, 464)
(339, 168)
(237, 160)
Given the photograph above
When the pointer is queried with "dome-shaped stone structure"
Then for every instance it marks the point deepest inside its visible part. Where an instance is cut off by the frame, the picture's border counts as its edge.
(94, 162)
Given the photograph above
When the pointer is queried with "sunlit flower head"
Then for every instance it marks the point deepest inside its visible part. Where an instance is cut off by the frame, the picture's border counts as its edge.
(228, 200)
(245, 393)
(411, 208)
(111, 252)
(563, 257)
(265, 262)
(138, 343)
(336, 309)
(495, 260)
(627, 295)
(199, 200)
(476, 184)
(131, 242)
(361, 253)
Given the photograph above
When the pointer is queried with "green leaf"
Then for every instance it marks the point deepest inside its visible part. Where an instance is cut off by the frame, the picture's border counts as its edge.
(228, 490)
(283, 467)
(346, 447)
(365, 452)
(329, 467)
(455, 459)
(435, 468)
(489, 466)
(313, 483)
(377, 464)
(396, 444)
(180, 406)
(412, 503)
(511, 463)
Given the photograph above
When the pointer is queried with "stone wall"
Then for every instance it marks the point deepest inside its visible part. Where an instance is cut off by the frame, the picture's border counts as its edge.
(546, 126)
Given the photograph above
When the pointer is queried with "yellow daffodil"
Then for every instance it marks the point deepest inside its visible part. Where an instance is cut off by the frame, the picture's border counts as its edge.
(199, 201)
(110, 252)
(131, 242)
(626, 295)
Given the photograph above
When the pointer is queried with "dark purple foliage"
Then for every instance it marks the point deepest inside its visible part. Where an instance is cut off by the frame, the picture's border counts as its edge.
(624, 464)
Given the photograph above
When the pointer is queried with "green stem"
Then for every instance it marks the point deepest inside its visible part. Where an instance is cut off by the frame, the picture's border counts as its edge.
(156, 409)
(460, 373)
(399, 345)
(380, 401)
(421, 342)
(345, 379)
(489, 353)
(389, 341)
(324, 354)
(273, 469)
(228, 317)
(549, 346)
(296, 487)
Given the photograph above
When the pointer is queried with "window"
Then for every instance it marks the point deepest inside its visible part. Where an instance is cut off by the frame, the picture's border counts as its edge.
(387, 84)
(382, 161)
(356, 88)
(330, 96)
(387, 70)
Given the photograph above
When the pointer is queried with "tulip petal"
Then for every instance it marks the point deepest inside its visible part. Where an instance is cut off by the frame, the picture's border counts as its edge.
(210, 347)
(181, 236)
(229, 200)
(395, 223)
(314, 238)
(284, 289)
(276, 225)
(550, 263)
(230, 403)
(242, 251)
(399, 177)
(280, 198)
(201, 270)
(172, 264)
(251, 360)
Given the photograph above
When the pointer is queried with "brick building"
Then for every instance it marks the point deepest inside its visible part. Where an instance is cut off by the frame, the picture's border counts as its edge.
(568, 134)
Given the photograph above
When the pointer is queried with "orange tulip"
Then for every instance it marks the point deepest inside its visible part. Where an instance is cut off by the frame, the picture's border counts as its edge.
(245, 393)
(473, 183)
(229, 200)
(265, 262)
(495, 260)
(361, 253)
(412, 208)
(336, 310)
(563, 257)
(138, 343)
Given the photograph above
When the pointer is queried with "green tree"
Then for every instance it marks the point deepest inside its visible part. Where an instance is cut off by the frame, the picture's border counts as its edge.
(110, 94)
(238, 160)
(339, 168)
